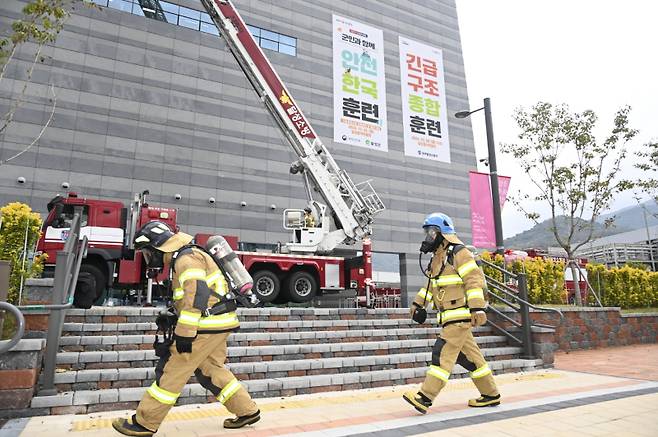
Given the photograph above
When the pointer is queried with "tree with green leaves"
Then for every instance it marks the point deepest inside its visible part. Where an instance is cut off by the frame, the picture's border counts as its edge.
(20, 229)
(42, 21)
(647, 164)
(574, 174)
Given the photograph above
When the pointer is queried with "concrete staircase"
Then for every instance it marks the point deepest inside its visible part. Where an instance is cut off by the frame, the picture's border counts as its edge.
(106, 359)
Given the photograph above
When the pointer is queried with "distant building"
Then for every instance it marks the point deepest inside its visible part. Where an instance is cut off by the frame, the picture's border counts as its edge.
(640, 246)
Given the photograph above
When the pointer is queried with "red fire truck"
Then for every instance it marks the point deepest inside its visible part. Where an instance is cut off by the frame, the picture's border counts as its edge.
(111, 261)
(300, 268)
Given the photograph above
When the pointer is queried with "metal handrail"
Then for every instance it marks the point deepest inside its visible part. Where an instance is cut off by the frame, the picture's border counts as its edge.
(505, 289)
(520, 297)
(67, 268)
(500, 269)
(6, 345)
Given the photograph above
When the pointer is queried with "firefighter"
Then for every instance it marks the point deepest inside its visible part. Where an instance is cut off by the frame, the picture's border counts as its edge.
(455, 288)
(309, 220)
(206, 315)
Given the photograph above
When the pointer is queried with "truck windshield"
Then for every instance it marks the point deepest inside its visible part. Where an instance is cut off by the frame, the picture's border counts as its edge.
(64, 218)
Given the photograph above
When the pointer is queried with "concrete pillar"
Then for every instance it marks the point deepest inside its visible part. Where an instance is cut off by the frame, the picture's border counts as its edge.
(411, 278)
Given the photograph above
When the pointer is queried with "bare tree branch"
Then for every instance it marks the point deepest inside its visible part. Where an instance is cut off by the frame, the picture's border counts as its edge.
(43, 128)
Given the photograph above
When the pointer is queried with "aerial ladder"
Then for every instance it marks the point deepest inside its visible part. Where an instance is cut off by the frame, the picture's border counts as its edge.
(347, 213)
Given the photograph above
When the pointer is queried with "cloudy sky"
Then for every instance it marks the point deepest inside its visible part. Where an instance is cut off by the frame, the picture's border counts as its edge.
(590, 54)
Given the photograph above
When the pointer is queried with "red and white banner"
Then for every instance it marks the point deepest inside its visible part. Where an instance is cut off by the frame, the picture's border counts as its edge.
(482, 218)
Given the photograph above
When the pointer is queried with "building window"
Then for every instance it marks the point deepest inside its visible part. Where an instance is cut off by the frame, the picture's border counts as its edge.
(197, 20)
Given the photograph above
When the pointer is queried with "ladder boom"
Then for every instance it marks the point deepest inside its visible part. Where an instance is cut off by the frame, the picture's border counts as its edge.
(353, 205)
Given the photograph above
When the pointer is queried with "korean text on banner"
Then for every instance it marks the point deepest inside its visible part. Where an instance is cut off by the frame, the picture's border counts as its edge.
(359, 85)
(424, 112)
(482, 218)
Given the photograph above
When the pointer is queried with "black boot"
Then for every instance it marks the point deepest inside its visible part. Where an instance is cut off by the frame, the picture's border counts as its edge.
(420, 402)
(240, 421)
(131, 427)
(485, 401)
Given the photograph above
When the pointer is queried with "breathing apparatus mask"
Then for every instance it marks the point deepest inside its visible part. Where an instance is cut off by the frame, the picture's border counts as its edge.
(433, 239)
(154, 260)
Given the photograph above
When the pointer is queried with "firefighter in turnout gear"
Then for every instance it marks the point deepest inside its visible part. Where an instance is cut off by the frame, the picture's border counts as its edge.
(455, 288)
(206, 316)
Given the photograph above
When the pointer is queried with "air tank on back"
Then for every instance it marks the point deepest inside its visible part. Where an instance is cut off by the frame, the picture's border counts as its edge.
(230, 263)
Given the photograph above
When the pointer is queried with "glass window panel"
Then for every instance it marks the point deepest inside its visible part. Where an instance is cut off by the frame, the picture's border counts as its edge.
(206, 18)
(190, 13)
(267, 44)
(137, 10)
(288, 40)
(188, 22)
(269, 35)
(168, 7)
(171, 18)
(255, 31)
(288, 50)
(209, 28)
(126, 6)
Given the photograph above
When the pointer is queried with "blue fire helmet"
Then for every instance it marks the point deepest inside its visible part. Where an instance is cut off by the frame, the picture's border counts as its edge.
(441, 221)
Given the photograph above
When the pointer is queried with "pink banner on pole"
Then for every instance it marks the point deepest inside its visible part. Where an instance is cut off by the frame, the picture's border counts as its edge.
(482, 218)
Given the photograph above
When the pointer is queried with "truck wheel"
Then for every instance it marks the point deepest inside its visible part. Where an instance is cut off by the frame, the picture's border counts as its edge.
(100, 281)
(301, 287)
(266, 285)
(85, 290)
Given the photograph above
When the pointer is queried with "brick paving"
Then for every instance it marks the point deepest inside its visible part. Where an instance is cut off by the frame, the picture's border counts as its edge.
(600, 392)
(636, 361)
(550, 401)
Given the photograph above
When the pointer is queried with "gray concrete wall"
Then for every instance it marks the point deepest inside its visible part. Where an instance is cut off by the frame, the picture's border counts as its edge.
(145, 104)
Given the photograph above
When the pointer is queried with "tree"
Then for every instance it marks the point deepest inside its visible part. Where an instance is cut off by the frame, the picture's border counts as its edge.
(647, 164)
(19, 232)
(41, 23)
(575, 175)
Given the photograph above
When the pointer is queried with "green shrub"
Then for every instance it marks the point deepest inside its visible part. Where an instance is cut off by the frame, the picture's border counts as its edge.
(16, 219)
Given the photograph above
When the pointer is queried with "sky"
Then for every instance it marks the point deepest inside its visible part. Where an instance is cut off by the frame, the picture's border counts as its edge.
(589, 54)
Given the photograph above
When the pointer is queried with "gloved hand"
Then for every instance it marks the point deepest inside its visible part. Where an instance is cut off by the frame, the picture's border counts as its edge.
(183, 344)
(478, 318)
(253, 299)
(420, 315)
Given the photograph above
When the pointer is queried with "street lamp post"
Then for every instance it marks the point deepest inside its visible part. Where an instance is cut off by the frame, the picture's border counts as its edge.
(493, 171)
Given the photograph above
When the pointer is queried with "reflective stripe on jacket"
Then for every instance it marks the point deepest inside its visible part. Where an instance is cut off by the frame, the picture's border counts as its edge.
(458, 291)
(195, 278)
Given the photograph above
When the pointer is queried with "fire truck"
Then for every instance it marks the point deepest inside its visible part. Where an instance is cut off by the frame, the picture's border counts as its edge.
(299, 269)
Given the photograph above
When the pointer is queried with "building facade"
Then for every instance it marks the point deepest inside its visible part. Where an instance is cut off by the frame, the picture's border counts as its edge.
(144, 103)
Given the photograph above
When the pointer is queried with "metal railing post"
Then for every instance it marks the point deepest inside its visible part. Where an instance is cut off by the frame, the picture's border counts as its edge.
(65, 273)
(5, 345)
(526, 323)
(55, 324)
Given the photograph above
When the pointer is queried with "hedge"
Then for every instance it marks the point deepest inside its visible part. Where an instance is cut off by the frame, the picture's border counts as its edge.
(545, 277)
(625, 287)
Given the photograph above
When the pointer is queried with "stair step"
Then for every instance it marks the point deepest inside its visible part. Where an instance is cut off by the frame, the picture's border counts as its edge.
(74, 343)
(121, 398)
(142, 376)
(276, 352)
(257, 326)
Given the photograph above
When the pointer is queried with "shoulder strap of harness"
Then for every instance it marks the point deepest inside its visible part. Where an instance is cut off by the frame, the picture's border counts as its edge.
(187, 249)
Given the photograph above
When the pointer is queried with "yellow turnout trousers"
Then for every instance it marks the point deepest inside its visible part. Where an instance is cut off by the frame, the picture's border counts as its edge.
(457, 345)
(207, 362)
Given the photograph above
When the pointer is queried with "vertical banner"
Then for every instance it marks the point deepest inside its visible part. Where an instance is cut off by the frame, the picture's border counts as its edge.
(359, 85)
(482, 217)
(424, 111)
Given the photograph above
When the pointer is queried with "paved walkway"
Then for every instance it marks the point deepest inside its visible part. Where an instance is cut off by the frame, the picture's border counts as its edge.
(584, 395)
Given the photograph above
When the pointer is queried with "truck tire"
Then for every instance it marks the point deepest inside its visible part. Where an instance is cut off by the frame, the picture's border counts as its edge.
(85, 291)
(301, 287)
(99, 279)
(266, 285)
